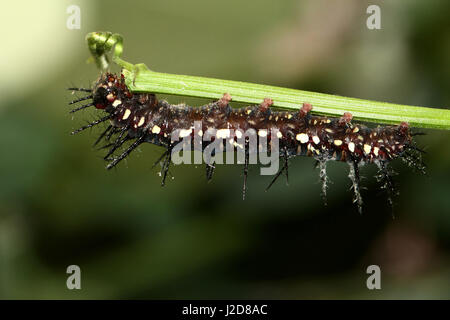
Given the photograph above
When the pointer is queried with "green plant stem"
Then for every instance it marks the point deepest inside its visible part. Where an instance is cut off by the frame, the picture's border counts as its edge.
(140, 79)
(150, 81)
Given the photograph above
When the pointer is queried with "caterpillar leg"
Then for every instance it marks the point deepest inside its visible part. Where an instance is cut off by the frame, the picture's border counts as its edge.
(80, 89)
(92, 124)
(284, 169)
(160, 158)
(210, 171)
(210, 167)
(133, 146)
(81, 99)
(385, 177)
(106, 146)
(412, 157)
(324, 179)
(345, 119)
(275, 178)
(286, 165)
(224, 101)
(111, 133)
(304, 110)
(118, 143)
(265, 105)
(246, 162)
(356, 185)
(102, 135)
(81, 108)
(165, 166)
(167, 156)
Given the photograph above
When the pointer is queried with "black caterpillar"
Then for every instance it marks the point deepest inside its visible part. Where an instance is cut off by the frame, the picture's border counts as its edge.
(141, 117)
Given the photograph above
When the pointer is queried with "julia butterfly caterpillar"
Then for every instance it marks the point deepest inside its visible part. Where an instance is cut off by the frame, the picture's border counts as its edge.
(141, 118)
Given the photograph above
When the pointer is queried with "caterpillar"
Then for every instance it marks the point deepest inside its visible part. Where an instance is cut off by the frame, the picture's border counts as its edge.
(142, 118)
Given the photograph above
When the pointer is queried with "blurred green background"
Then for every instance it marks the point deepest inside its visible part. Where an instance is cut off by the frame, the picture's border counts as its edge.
(134, 239)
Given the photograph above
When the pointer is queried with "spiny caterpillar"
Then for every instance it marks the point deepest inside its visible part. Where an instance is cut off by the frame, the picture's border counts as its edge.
(141, 117)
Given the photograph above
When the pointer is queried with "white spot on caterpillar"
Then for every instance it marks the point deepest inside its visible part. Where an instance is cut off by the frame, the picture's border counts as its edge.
(126, 114)
(351, 147)
(367, 148)
(302, 137)
(289, 116)
(141, 121)
(316, 139)
(110, 96)
(279, 135)
(156, 129)
(116, 103)
(375, 151)
(185, 132)
(329, 130)
(249, 111)
(356, 129)
(338, 142)
(200, 133)
(223, 133)
(262, 133)
(361, 138)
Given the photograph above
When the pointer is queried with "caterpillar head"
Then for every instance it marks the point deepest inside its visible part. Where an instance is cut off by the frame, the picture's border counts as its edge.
(109, 92)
